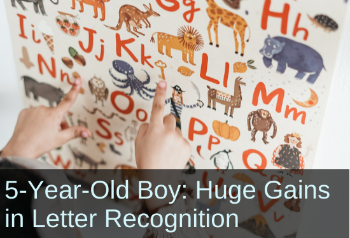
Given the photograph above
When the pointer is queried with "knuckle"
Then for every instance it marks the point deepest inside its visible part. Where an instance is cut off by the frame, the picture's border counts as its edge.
(157, 106)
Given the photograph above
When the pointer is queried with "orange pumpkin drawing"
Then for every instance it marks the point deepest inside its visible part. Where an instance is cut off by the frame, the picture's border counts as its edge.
(226, 131)
(240, 67)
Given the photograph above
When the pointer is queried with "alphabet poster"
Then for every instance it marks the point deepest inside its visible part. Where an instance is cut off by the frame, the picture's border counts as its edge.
(248, 81)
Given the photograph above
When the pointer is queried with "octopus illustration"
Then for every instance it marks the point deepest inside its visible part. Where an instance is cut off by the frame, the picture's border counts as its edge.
(131, 80)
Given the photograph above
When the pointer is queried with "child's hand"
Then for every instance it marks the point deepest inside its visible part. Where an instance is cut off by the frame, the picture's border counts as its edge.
(42, 129)
(160, 144)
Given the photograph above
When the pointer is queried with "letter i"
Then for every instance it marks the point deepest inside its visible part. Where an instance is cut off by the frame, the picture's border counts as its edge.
(300, 189)
(208, 217)
(21, 25)
(195, 218)
(102, 52)
(33, 33)
(7, 218)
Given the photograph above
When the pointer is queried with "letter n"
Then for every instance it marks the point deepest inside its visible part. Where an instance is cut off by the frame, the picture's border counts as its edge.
(41, 61)
(283, 15)
(296, 114)
(261, 89)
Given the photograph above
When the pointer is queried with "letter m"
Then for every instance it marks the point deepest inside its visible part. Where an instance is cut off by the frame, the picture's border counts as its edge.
(261, 89)
(296, 114)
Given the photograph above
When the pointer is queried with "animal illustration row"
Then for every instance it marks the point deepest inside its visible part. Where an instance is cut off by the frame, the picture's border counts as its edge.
(261, 119)
(286, 156)
(286, 52)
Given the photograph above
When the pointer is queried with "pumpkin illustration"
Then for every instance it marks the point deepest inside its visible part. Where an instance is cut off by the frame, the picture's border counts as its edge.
(226, 131)
(240, 67)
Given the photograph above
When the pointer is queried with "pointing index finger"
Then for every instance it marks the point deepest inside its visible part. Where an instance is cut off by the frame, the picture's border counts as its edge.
(68, 101)
(158, 104)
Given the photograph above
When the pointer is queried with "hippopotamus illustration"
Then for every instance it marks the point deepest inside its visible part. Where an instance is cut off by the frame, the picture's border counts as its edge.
(293, 54)
(43, 90)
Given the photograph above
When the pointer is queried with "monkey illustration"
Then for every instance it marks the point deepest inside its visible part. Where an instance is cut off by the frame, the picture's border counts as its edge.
(262, 121)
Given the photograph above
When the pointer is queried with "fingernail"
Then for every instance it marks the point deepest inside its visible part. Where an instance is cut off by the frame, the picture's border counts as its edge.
(162, 84)
(77, 81)
(84, 134)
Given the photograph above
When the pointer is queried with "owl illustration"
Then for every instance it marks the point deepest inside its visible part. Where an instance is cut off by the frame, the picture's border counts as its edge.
(98, 88)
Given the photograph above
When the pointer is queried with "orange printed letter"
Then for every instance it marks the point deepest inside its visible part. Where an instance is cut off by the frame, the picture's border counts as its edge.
(260, 88)
(192, 131)
(283, 15)
(213, 141)
(261, 167)
(204, 69)
(122, 44)
(21, 25)
(296, 114)
(91, 41)
(172, 8)
(101, 123)
(42, 61)
(114, 96)
(297, 28)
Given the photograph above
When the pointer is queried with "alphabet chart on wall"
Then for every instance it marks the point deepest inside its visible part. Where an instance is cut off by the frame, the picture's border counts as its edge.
(248, 81)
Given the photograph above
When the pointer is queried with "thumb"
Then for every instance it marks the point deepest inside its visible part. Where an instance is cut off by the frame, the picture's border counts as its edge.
(71, 133)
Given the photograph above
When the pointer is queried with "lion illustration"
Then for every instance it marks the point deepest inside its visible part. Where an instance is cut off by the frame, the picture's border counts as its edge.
(188, 40)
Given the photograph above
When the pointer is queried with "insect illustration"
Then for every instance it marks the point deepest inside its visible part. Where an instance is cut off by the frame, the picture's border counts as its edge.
(188, 40)
(98, 88)
(325, 22)
(230, 101)
(133, 17)
(131, 80)
(220, 15)
(96, 4)
(222, 160)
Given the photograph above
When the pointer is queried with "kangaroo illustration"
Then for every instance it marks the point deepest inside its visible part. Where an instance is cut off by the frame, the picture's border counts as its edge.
(133, 17)
(79, 156)
(96, 3)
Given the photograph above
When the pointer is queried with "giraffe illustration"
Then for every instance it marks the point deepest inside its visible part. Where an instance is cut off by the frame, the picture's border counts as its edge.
(229, 19)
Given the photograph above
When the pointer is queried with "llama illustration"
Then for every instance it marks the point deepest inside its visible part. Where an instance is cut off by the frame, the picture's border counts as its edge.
(230, 101)
(229, 19)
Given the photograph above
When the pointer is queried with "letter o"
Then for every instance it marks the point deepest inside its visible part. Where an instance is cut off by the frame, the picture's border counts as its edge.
(129, 109)
(213, 220)
(160, 220)
(138, 111)
(93, 190)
